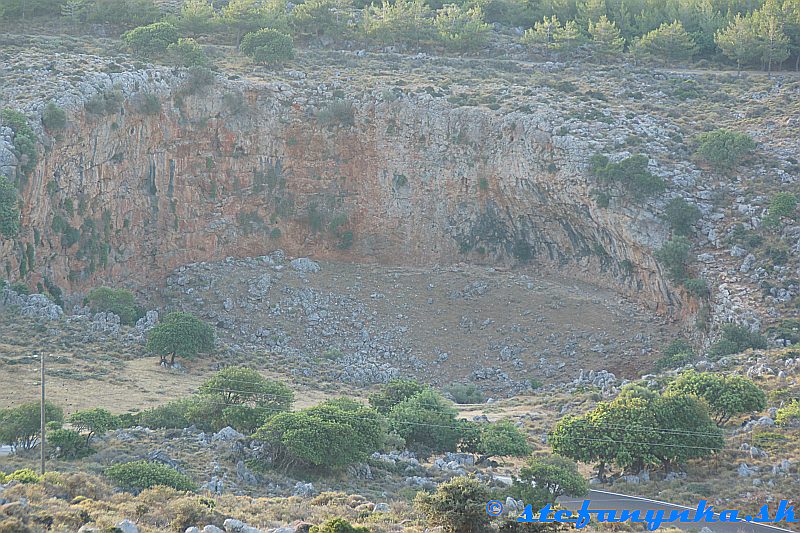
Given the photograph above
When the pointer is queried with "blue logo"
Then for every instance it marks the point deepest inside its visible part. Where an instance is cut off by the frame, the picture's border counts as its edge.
(494, 508)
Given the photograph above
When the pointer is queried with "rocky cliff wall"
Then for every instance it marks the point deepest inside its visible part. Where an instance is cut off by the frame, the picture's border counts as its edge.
(238, 169)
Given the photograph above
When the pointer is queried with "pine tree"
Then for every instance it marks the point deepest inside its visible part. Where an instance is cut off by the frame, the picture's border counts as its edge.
(774, 44)
(606, 38)
(739, 41)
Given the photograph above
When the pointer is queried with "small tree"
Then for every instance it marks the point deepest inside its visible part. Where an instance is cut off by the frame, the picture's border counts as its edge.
(465, 393)
(501, 439)
(187, 53)
(691, 433)
(458, 505)
(197, 16)
(739, 41)
(668, 41)
(544, 479)
(674, 256)
(426, 420)
(393, 393)
(681, 216)
(460, 29)
(317, 18)
(20, 426)
(725, 396)
(724, 149)
(180, 334)
(268, 47)
(407, 22)
(245, 386)
(9, 209)
(93, 421)
(152, 39)
(607, 41)
(244, 16)
(136, 476)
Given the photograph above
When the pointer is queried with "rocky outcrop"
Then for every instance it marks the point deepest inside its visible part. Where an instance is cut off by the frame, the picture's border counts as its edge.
(237, 169)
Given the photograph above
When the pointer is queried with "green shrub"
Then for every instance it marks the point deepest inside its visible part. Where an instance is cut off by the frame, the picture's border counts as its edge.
(70, 444)
(631, 173)
(676, 354)
(152, 39)
(458, 505)
(782, 204)
(465, 393)
(724, 149)
(268, 47)
(172, 415)
(338, 525)
(24, 475)
(24, 139)
(681, 215)
(20, 288)
(697, 287)
(787, 329)
(674, 256)
(789, 415)
(147, 104)
(107, 102)
(393, 393)
(118, 301)
(198, 79)
(337, 113)
(187, 53)
(737, 339)
(139, 475)
(9, 209)
(543, 479)
(53, 117)
(334, 433)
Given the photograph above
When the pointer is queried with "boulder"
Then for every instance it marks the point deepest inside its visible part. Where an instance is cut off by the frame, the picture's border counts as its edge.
(305, 265)
(126, 526)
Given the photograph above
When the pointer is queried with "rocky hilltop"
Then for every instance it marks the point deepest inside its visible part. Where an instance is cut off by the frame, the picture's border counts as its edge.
(399, 160)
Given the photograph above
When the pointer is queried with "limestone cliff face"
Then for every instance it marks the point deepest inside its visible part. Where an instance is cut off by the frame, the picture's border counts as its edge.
(238, 169)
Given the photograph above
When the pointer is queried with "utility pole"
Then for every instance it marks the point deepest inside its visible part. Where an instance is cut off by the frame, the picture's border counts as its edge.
(41, 449)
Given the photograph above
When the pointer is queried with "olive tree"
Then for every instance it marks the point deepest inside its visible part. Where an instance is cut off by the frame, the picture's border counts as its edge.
(180, 335)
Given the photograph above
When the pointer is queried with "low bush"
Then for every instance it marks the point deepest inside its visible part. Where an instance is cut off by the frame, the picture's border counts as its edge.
(338, 525)
(789, 415)
(268, 47)
(457, 505)
(187, 53)
(152, 39)
(53, 117)
(630, 173)
(464, 393)
(737, 339)
(724, 149)
(139, 475)
(121, 302)
(337, 113)
(69, 444)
